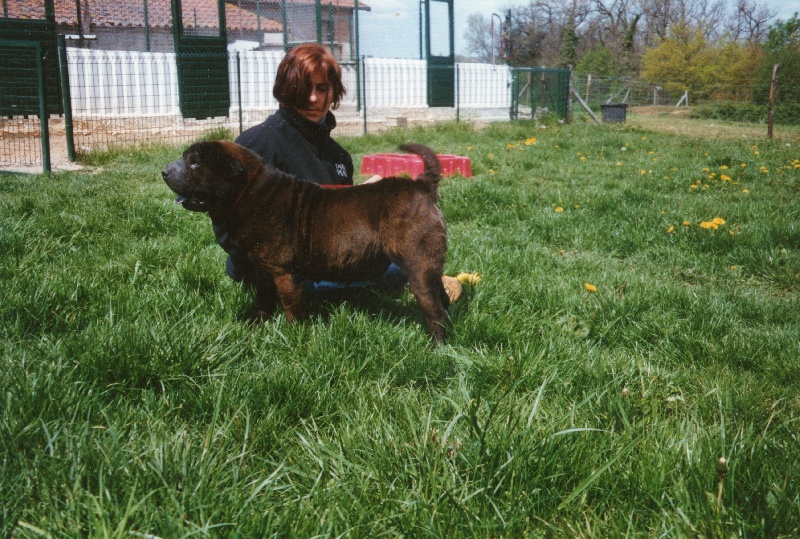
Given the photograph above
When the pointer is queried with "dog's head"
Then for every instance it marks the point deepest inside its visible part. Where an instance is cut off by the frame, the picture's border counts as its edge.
(209, 174)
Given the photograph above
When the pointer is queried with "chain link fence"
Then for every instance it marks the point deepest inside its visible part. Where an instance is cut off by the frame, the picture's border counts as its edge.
(736, 103)
(125, 86)
(125, 98)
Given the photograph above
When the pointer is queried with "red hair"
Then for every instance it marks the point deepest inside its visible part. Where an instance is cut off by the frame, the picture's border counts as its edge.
(293, 83)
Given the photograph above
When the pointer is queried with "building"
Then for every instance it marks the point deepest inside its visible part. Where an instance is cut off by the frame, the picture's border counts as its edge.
(146, 25)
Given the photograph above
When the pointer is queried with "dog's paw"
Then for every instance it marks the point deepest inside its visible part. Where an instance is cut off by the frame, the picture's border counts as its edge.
(258, 316)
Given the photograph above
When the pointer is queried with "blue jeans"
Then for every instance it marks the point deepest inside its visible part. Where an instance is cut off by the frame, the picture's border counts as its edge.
(393, 277)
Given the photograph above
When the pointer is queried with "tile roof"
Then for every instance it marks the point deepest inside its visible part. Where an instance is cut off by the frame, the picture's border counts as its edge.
(113, 13)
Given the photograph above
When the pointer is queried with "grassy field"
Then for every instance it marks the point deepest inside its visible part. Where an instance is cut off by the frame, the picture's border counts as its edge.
(637, 319)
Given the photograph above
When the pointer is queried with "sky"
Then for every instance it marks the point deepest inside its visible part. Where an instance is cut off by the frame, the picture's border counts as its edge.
(395, 18)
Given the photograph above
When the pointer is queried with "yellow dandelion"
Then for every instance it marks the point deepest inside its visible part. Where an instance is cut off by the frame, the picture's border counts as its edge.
(670, 230)
(705, 169)
(724, 167)
(725, 178)
(745, 190)
(743, 165)
(491, 171)
(559, 209)
(755, 152)
(530, 141)
(693, 186)
(469, 148)
(619, 163)
(709, 225)
(718, 220)
(733, 268)
(686, 223)
(732, 232)
(583, 158)
(490, 156)
(643, 172)
(590, 287)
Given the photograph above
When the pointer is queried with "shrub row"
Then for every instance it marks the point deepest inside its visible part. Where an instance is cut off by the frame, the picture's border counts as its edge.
(747, 112)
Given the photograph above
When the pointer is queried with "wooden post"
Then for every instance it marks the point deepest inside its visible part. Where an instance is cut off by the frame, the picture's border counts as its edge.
(584, 105)
(569, 95)
(588, 85)
(772, 86)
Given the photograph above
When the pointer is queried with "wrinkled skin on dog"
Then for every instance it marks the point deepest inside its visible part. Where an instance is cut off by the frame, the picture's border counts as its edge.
(291, 230)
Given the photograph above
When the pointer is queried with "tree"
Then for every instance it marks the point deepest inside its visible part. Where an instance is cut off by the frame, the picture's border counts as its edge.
(599, 60)
(478, 37)
(568, 54)
(686, 59)
(782, 46)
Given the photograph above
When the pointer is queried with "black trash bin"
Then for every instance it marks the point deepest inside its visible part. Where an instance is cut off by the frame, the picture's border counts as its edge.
(614, 112)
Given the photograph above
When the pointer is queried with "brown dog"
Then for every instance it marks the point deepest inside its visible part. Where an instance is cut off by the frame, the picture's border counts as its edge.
(292, 230)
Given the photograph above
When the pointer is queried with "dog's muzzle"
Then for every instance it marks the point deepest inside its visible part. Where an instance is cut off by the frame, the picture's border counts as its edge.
(174, 175)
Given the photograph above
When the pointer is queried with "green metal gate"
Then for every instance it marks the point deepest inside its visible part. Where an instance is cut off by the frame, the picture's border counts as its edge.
(18, 91)
(539, 88)
(440, 47)
(202, 61)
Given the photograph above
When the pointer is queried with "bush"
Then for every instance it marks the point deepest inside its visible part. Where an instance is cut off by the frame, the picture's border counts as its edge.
(747, 112)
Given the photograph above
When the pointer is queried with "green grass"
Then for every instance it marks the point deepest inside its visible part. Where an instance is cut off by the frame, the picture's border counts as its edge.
(136, 399)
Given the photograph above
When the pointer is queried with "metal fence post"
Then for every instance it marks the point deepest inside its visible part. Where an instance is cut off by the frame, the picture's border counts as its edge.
(458, 96)
(364, 82)
(66, 97)
(239, 89)
(44, 127)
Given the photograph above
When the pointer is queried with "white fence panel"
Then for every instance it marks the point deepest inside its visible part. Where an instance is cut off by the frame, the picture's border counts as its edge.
(395, 83)
(258, 70)
(484, 85)
(124, 83)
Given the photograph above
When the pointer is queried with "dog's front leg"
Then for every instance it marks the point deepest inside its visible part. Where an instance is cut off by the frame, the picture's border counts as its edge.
(291, 294)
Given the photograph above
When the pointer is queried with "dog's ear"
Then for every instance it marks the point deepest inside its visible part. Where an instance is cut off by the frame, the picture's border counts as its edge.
(221, 161)
(235, 168)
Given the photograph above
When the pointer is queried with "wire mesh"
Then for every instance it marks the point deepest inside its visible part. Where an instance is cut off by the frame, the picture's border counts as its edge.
(735, 103)
(126, 90)
(20, 91)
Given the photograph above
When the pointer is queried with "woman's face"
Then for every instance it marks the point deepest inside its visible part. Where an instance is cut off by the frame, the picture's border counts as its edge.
(319, 100)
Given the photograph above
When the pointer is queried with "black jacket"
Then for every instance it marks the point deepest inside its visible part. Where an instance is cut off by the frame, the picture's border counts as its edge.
(297, 146)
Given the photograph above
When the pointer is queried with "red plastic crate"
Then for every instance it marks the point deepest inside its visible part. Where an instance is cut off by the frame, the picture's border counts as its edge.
(392, 164)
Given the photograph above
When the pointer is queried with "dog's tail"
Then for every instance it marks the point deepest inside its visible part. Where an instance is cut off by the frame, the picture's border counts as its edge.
(432, 172)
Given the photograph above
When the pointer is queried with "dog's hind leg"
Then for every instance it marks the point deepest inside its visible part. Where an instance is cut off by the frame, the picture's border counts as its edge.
(429, 291)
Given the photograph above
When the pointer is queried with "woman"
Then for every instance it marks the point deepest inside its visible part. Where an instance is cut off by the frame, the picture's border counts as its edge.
(297, 140)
